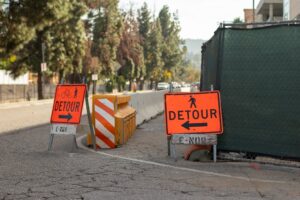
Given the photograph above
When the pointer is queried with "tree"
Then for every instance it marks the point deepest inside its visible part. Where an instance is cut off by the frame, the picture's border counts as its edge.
(130, 52)
(106, 36)
(187, 72)
(237, 20)
(55, 23)
(172, 53)
(144, 24)
(66, 45)
(14, 31)
(154, 60)
(92, 4)
(144, 32)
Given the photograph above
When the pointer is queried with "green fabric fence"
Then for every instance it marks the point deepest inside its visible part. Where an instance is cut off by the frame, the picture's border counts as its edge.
(258, 73)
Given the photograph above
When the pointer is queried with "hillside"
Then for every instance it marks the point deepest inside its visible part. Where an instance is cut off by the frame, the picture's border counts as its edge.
(194, 51)
(194, 45)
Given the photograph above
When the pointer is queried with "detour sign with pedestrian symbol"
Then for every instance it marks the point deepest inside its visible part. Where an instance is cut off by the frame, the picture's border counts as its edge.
(68, 104)
(188, 113)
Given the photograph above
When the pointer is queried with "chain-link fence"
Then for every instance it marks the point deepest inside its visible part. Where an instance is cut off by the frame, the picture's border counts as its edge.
(257, 71)
(12, 93)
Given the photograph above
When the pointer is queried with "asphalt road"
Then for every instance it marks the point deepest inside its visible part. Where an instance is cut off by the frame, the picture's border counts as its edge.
(138, 170)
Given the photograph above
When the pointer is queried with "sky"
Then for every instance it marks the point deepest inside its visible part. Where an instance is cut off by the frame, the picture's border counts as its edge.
(198, 18)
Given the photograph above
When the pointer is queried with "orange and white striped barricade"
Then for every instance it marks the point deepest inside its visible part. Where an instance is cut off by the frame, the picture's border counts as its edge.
(113, 120)
(104, 108)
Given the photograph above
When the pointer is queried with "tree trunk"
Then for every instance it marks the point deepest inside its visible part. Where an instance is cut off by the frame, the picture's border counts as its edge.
(120, 89)
(40, 85)
(141, 85)
(130, 85)
(137, 84)
(151, 84)
(155, 85)
(61, 76)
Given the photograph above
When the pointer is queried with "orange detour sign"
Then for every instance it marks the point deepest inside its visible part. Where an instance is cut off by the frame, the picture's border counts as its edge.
(68, 104)
(191, 113)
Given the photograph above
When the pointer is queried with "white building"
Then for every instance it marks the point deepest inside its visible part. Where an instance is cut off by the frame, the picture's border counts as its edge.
(277, 10)
(6, 79)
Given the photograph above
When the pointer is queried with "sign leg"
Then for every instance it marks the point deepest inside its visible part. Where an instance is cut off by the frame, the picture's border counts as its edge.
(214, 146)
(50, 142)
(215, 152)
(75, 142)
(169, 146)
(90, 120)
(173, 152)
(123, 131)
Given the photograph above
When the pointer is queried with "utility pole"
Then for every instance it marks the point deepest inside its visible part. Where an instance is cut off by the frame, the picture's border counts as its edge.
(43, 52)
(41, 71)
(94, 79)
(43, 65)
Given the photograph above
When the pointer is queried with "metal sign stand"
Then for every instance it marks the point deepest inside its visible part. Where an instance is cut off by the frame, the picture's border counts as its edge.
(89, 118)
(62, 129)
(169, 138)
(215, 145)
(50, 142)
(198, 139)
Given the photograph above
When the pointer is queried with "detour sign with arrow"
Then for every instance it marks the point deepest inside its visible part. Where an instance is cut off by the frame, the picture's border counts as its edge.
(68, 104)
(188, 113)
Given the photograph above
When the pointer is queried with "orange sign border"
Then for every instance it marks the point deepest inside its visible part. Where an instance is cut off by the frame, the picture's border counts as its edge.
(82, 100)
(219, 132)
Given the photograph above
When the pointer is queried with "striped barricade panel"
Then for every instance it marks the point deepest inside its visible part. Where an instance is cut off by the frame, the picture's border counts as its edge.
(104, 123)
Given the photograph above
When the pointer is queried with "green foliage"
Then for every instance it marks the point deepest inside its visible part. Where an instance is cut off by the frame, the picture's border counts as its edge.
(172, 53)
(130, 52)
(188, 73)
(106, 36)
(121, 81)
(165, 21)
(5, 63)
(127, 46)
(237, 20)
(23, 20)
(111, 83)
(154, 60)
(27, 25)
(145, 29)
(30, 23)
(65, 44)
(144, 23)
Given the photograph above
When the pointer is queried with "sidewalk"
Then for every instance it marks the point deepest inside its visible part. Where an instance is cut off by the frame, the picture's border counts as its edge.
(237, 180)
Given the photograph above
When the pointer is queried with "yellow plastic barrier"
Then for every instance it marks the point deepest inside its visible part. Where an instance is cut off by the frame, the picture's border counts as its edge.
(113, 119)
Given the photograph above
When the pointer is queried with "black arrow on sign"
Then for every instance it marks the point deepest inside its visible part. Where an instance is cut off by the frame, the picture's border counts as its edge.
(68, 116)
(187, 125)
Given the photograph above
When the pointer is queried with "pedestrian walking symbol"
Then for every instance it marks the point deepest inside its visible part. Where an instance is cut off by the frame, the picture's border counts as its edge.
(193, 102)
